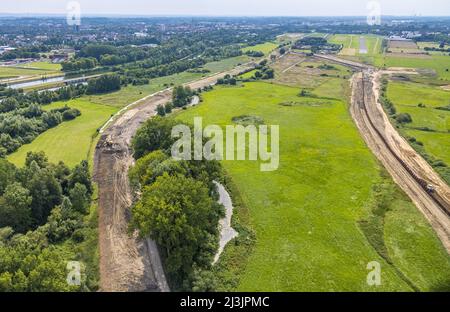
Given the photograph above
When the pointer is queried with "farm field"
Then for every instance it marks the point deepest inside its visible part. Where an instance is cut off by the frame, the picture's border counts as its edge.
(70, 141)
(306, 228)
(266, 48)
(406, 97)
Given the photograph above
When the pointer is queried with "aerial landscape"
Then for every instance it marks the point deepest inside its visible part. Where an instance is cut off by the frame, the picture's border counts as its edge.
(224, 151)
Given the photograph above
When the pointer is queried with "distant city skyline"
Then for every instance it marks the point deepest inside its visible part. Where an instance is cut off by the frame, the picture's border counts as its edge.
(230, 7)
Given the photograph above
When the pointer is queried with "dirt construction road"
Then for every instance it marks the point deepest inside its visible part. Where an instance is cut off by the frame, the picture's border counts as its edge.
(128, 263)
(408, 169)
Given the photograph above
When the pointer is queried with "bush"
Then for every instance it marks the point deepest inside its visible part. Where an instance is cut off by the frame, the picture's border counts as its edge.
(404, 118)
(71, 114)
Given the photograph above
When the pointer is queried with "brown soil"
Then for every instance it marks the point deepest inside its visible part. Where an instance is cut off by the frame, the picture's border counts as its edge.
(128, 263)
(408, 166)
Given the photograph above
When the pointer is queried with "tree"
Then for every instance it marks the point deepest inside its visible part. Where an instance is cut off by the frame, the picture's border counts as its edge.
(103, 84)
(15, 208)
(79, 198)
(161, 110)
(168, 108)
(404, 118)
(39, 157)
(181, 96)
(154, 135)
(179, 215)
(62, 222)
(7, 174)
(8, 104)
(45, 191)
(81, 174)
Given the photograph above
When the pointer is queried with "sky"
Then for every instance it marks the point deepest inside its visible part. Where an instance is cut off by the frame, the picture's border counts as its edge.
(231, 7)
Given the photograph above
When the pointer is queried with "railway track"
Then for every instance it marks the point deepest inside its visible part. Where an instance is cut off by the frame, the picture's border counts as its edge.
(408, 169)
(426, 186)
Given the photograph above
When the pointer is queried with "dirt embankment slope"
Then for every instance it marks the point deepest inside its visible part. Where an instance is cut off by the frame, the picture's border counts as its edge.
(128, 263)
(408, 169)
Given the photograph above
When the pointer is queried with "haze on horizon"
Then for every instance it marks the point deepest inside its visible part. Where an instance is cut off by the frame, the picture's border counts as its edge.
(230, 7)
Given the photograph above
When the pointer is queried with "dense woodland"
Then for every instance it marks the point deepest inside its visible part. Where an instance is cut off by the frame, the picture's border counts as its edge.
(43, 225)
(178, 207)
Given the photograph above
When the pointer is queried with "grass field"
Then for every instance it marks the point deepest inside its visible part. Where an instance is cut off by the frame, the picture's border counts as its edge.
(307, 236)
(70, 141)
(351, 46)
(44, 66)
(440, 64)
(131, 93)
(29, 70)
(266, 48)
(406, 96)
(226, 64)
(298, 71)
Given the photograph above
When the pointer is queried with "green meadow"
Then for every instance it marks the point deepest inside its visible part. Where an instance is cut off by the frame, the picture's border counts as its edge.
(31, 69)
(74, 140)
(266, 47)
(439, 64)
(317, 225)
(71, 141)
(406, 97)
(351, 47)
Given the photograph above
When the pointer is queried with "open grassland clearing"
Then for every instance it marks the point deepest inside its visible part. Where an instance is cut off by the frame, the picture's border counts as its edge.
(34, 69)
(289, 37)
(70, 141)
(265, 48)
(304, 72)
(403, 46)
(319, 223)
(435, 65)
(73, 140)
(227, 64)
(364, 47)
(130, 93)
(43, 66)
(430, 125)
(435, 45)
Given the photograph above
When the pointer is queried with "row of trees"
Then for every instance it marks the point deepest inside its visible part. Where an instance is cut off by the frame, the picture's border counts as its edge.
(178, 207)
(79, 64)
(42, 209)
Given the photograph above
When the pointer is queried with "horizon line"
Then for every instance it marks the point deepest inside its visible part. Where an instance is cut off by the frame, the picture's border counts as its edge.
(27, 14)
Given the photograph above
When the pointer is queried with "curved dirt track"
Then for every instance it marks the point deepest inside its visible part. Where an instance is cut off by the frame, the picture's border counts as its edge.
(408, 169)
(128, 263)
